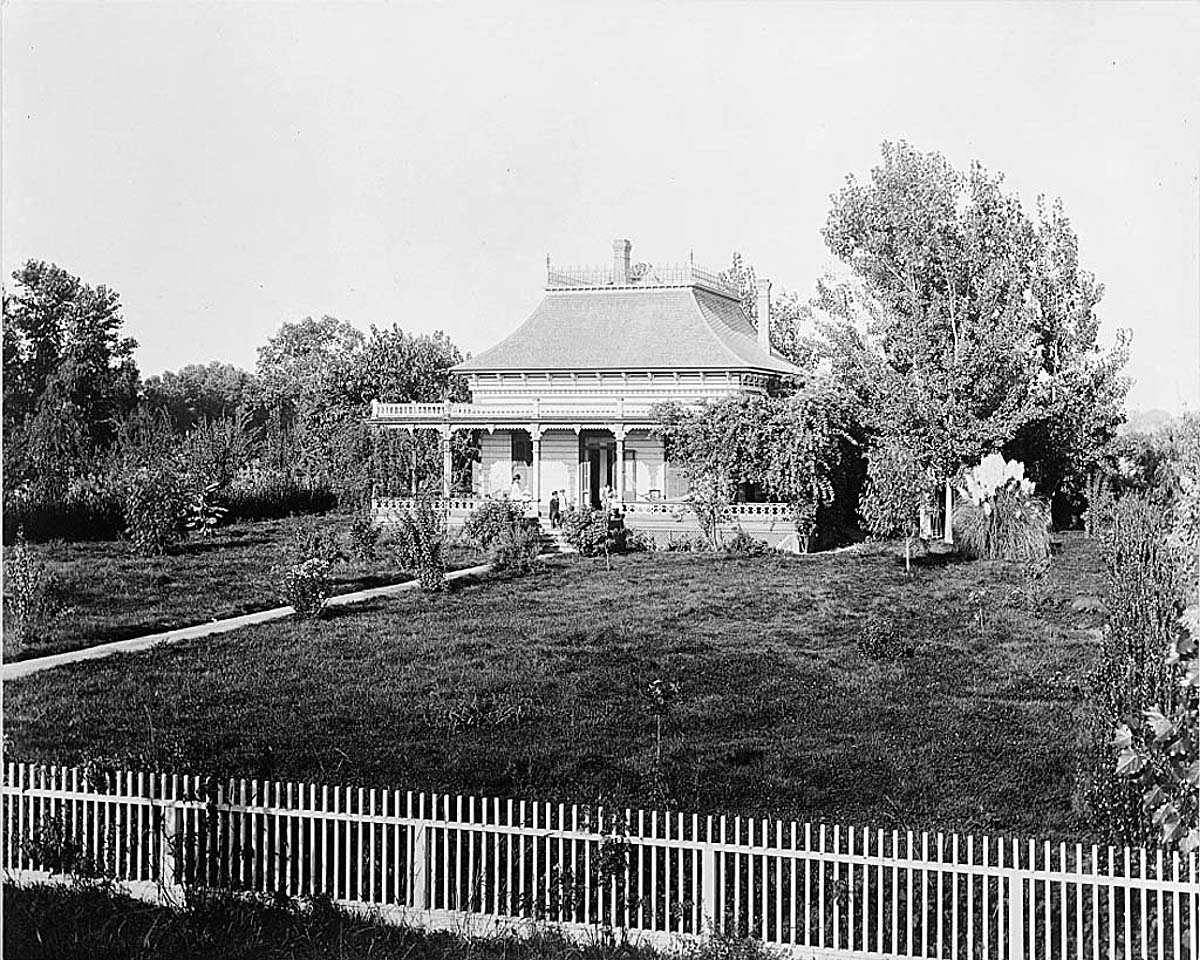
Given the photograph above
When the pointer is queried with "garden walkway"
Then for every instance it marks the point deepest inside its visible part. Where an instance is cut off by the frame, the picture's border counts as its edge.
(22, 668)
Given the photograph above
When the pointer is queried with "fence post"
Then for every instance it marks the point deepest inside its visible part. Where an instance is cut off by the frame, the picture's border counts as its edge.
(708, 872)
(419, 865)
(170, 888)
(1016, 917)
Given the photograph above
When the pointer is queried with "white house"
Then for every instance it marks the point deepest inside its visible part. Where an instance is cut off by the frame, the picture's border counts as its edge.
(563, 403)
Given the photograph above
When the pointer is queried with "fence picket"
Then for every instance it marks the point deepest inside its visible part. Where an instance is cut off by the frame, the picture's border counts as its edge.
(683, 877)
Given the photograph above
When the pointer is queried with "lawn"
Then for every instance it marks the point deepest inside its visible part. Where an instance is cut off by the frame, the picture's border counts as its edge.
(97, 923)
(106, 591)
(534, 687)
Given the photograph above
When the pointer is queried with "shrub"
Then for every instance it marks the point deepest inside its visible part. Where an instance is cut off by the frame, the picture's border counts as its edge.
(639, 541)
(1001, 519)
(258, 494)
(688, 543)
(743, 544)
(27, 599)
(364, 538)
(420, 542)
(313, 540)
(587, 531)
(880, 639)
(155, 508)
(1100, 505)
(305, 587)
(1144, 602)
(487, 521)
(91, 508)
(514, 549)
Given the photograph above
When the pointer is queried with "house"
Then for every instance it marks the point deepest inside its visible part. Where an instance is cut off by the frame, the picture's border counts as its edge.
(564, 402)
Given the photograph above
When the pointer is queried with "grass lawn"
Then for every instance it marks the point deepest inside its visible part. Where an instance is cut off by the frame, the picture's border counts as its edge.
(97, 923)
(106, 591)
(533, 688)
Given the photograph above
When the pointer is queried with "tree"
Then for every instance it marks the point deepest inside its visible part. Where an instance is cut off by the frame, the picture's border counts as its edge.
(897, 488)
(201, 392)
(1080, 391)
(986, 321)
(322, 376)
(69, 375)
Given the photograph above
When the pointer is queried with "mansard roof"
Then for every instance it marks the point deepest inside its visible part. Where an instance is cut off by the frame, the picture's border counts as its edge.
(665, 327)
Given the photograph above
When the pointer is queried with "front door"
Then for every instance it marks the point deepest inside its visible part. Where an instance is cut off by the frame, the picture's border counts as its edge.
(593, 476)
(597, 461)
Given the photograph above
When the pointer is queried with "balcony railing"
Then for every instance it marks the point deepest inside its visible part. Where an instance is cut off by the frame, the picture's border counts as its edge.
(672, 275)
(441, 413)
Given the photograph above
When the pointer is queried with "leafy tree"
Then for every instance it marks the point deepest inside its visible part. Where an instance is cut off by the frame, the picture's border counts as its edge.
(983, 319)
(897, 488)
(69, 375)
(201, 392)
(947, 255)
(1080, 391)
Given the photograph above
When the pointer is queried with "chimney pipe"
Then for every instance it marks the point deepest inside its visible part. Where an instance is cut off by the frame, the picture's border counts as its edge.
(764, 315)
(621, 250)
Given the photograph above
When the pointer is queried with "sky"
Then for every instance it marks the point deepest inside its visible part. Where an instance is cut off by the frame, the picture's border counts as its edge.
(227, 167)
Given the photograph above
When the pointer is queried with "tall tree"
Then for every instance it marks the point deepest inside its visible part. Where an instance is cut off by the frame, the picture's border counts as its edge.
(986, 323)
(69, 374)
(200, 392)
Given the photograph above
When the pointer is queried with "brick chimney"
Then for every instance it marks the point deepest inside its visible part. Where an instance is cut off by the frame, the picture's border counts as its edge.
(621, 249)
(764, 315)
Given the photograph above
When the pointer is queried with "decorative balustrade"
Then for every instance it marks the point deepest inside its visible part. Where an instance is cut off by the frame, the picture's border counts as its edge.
(442, 413)
(641, 275)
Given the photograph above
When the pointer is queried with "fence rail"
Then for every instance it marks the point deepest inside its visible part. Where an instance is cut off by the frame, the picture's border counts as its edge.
(817, 890)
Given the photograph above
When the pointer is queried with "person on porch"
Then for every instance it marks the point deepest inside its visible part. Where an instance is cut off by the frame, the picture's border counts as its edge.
(515, 492)
(555, 514)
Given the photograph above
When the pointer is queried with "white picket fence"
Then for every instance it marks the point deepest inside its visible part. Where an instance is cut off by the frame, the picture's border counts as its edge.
(447, 861)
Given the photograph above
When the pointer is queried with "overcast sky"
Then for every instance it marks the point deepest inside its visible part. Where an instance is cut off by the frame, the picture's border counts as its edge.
(230, 167)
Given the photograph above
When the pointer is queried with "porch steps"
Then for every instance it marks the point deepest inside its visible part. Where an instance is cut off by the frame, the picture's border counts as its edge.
(552, 542)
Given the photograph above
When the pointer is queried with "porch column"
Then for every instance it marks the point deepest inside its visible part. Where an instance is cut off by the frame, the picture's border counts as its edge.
(535, 481)
(619, 473)
(447, 461)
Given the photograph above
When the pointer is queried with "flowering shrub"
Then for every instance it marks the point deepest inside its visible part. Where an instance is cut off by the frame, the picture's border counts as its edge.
(1001, 518)
(487, 521)
(305, 587)
(156, 508)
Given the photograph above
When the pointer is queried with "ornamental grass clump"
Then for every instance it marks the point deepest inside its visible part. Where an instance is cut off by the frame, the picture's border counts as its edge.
(999, 517)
